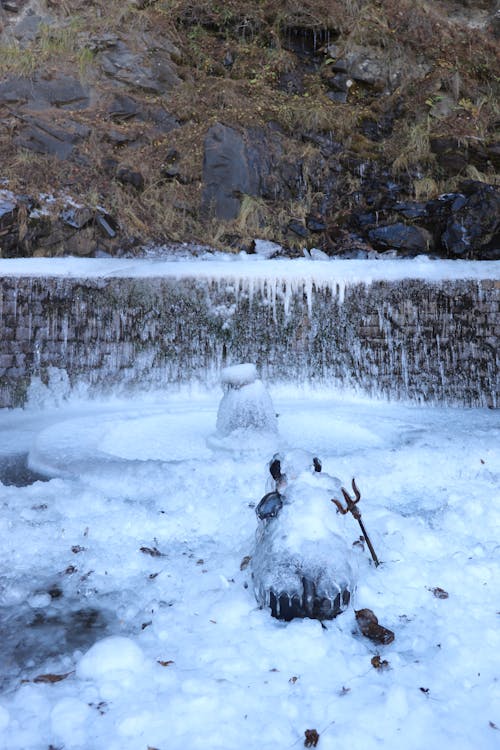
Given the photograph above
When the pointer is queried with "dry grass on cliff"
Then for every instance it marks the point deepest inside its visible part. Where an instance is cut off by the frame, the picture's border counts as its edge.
(435, 56)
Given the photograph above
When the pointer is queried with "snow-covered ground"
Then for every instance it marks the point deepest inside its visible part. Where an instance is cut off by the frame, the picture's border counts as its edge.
(128, 621)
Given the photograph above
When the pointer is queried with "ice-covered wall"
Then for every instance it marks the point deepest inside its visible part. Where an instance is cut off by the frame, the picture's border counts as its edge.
(406, 339)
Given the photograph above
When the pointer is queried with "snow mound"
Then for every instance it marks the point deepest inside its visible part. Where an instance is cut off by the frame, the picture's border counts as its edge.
(303, 563)
(238, 375)
(112, 655)
(246, 403)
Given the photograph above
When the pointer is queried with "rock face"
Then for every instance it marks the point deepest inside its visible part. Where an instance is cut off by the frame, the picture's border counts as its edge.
(52, 225)
(226, 172)
(474, 224)
(328, 127)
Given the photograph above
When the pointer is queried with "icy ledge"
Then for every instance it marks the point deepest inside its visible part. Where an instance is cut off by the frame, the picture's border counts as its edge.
(320, 272)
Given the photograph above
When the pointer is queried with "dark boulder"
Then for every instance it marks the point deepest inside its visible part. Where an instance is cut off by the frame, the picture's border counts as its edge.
(128, 176)
(226, 172)
(298, 228)
(42, 136)
(315, 223)
(154, 73)
(406, 239)
(38, 92)
(474, 224)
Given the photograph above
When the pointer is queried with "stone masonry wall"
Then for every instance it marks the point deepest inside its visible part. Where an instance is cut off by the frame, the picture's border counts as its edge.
(410, 339)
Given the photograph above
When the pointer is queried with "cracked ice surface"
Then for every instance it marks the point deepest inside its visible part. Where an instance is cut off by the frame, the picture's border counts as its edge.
(122, 575)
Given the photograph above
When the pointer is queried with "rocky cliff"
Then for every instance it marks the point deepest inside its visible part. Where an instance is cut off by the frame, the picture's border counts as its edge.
(358, 127)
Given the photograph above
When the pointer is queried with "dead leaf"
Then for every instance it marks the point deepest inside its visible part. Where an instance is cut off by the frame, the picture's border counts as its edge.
(369, 626)
(165, 663)
(424, 690)
(379, 663)
(439, 593)
(50, 678)
(245, 562)
(153, 551)
(344, 691)
(76, 548)
(493, 725)
(312, 738)
(293, 680)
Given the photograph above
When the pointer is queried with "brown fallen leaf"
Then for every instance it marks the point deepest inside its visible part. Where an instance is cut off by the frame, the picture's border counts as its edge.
(153, 551)
(439, 593)
(312, 738)
(166, 663)
(50, 678)
(379, 663)
(245, 562)
(369, 626)
(76, 548)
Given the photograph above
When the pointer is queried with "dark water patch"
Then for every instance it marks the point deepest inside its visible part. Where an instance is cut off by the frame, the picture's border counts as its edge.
(30, 637)
(14, 471)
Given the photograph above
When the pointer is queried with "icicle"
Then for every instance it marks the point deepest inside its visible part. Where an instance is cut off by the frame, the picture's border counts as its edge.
(308, 291)
(287, 297)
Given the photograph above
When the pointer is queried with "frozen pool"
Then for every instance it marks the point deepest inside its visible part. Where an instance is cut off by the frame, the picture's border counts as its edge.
(121, 578)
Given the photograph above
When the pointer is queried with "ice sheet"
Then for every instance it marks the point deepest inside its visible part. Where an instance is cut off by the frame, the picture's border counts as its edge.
(136, 546)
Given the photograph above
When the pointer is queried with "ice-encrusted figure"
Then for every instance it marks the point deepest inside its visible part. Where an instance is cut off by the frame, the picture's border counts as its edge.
(303, 564)
(246, 404)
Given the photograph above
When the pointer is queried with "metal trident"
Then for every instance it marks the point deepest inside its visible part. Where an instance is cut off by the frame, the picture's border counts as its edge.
(352, 507)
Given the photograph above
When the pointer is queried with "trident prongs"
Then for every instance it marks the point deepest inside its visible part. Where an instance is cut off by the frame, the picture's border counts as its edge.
(352, 507)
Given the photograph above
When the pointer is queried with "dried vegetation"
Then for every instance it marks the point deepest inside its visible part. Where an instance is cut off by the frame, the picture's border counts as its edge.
(232, 58)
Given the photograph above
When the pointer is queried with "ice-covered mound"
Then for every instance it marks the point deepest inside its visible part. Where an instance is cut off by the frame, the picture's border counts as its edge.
(303, 564)
(79, 445)
(246, 418)
(246, 403)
